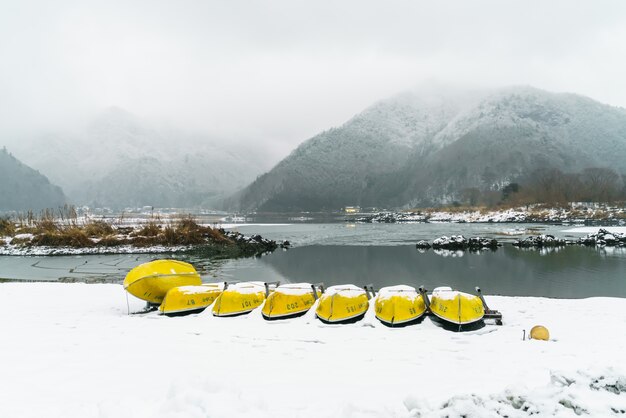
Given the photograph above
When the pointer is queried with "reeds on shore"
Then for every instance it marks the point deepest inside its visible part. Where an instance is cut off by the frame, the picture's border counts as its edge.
(65, 229)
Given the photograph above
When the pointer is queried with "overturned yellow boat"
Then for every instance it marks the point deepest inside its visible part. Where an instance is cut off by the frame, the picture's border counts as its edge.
(399, 305)
(240, 299)
(342, 304)
(457, 309)
(289, 301)
(151, 281)
(184, 300)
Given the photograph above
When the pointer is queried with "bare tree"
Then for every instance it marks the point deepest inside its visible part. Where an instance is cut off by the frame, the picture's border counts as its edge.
(600, 184)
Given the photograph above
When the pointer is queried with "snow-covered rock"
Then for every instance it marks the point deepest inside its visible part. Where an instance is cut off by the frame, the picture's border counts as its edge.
(459, 242)
(540, 241)
(422, 244)
(603, 238)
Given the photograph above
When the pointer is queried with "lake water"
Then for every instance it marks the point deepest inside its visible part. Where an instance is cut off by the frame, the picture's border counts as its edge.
(380, 254)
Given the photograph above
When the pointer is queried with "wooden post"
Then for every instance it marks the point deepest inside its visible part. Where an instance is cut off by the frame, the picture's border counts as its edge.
(423, 291)
(480, 295)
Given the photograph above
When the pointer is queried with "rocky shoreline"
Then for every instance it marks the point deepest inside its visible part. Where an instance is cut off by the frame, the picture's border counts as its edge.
(602, 238)
(575, 215)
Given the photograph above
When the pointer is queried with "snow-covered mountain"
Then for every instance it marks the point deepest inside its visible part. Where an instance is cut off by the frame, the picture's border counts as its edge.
(22, 188)
(424, 147)
(118, 160)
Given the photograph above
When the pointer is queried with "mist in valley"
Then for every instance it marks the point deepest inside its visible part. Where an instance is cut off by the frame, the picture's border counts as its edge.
(183, 105)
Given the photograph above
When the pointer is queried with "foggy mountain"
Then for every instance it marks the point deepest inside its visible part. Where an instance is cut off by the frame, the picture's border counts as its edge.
(424, 147)
(119, 161)
(22, 188)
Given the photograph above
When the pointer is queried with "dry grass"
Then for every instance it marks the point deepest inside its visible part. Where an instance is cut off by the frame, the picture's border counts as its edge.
(457, 209)
(7, 227)
(47, 232)
(46, 225)
(151, 229)
(217, 236)
(98, 229)
(111, 241)
(185, 231)
(68, 237)
(20, 241)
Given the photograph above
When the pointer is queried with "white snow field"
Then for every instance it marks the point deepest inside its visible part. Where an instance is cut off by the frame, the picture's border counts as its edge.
(71, 350)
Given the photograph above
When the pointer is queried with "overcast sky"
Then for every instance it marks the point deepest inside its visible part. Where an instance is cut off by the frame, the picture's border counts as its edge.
(281, 71)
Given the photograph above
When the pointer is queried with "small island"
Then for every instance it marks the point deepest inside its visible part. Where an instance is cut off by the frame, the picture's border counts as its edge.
(47, 235)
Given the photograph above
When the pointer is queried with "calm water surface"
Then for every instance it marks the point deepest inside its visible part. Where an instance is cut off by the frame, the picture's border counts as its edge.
(381, 254)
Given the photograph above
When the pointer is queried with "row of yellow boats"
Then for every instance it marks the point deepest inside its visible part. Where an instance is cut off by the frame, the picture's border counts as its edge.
(177, 289)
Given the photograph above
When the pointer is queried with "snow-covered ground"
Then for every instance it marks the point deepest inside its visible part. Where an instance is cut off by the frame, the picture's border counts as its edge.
(71, 350)
(19, 250)
(531, 213)
(594, 229)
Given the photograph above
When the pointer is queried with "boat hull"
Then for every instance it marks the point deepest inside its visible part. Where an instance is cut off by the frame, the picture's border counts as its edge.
(456, 309)
(151, 281)
(185, 300)
(239, 299)
(398, 306)
(288, 301)
(342, 304)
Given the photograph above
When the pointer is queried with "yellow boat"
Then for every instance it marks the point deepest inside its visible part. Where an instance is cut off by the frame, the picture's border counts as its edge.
(456, 309)
(342, 304)
(184, 300)
(289, 301)
(239, 299)
(151, 281)
(399, 305)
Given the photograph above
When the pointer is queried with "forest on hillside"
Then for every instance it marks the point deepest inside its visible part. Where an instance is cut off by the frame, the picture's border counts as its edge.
(22, 188)
(554, 187)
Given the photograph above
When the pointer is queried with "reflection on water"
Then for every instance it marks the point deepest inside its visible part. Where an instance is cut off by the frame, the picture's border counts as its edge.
(570, 272)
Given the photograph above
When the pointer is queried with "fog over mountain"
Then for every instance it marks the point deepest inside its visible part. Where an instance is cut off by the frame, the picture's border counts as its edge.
(425, 147)
(218, 92)
(22, 188)
(118, 161)
(276, 72)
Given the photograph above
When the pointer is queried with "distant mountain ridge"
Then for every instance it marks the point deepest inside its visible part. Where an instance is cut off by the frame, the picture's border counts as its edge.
(119, 161)
(421, 148)
(22, 188)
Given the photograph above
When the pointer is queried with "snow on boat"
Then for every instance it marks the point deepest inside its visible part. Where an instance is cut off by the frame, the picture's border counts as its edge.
(289, 301)
(151, 281)
(399, 305)
(240, 298)
(184, 300)
(457, 309)
(342, 304)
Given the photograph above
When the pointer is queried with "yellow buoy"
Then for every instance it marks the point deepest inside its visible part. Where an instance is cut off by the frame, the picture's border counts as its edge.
(539, 332)
(183, 300)
(151, 281)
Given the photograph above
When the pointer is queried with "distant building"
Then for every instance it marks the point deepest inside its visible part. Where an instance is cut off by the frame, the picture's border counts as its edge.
(352, 209)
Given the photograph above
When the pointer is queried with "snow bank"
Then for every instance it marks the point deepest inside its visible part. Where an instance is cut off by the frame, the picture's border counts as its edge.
(346, 290)
(19, 250)
(595, 229)
(295, 289)
(71, 350)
